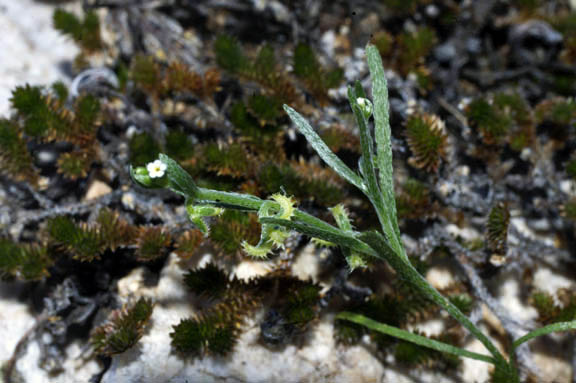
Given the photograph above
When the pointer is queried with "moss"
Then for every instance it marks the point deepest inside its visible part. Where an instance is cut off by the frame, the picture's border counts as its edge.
(413, 201)
(143, 149)
(497, 228)
(60, 90)
(123, 330)
(487, 120)
(464, 302)
(178, 145)
(228, 160)
(571, 168)
(384, 42)
(427, 141)
(32, 106)
(526, 6)
(265, 109)
(189, 242)
(316, 78)
(145, 73)
(232, 228)
(23, 261)
(17, 161)
(558, 111)
(229, 54)
(83, 243)
(86, 33)
(550, 312)
(152, 243)
(339, 138)
(564, 84)
(114, 230)
(210, 281)
(75, 164)
(414, 47)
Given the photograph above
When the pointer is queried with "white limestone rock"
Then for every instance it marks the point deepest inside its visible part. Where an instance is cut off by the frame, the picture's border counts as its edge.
(32, 49)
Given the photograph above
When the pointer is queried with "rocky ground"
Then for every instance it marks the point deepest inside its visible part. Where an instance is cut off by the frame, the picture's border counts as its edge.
(34, 52)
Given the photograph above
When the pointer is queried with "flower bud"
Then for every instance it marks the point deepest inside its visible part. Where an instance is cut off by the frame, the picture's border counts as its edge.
(365, 106)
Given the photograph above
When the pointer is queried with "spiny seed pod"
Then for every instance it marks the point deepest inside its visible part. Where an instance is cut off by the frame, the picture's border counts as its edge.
(271, 236)
(427, 140)
(197, 213)
(259, 251)
(341, 216)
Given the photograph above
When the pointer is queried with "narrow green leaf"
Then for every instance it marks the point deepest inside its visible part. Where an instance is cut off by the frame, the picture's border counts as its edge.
(555, 327)
(322, 149)
(411, 337)
(366, 142)
(180, 181)
(383, 137)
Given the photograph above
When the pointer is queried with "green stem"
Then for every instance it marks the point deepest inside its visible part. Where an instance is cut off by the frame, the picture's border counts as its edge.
(408, 272)
(251, 203)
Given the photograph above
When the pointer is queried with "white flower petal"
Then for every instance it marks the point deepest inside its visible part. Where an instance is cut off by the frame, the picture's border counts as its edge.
(156, 169)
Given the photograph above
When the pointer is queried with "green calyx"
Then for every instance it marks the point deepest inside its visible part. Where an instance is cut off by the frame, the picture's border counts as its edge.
(197, 213)
(142, 177)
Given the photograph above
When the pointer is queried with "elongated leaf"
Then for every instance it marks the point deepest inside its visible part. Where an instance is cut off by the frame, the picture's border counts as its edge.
(555, 327)
(368, 171)
(180, 181)
(366, 142)
(411, 337)
(322, 149)
(383, 135)
(338, 238)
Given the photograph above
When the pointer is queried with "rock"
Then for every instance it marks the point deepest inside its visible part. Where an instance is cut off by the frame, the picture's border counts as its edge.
(445, 53)
(533, 42)
(31, 49)
(97, 189)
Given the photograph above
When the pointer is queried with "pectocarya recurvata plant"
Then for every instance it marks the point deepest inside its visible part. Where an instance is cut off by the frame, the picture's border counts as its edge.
(278, 216)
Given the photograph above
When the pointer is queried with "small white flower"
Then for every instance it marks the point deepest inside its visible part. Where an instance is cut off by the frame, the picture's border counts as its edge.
(365, 106)
(156, 169)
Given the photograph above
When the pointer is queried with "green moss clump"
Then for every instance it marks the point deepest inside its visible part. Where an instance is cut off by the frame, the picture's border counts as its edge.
(427, 141)
(23, 261)
(17, 161)
(86, 33)
(123, 330)
(143, 149)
